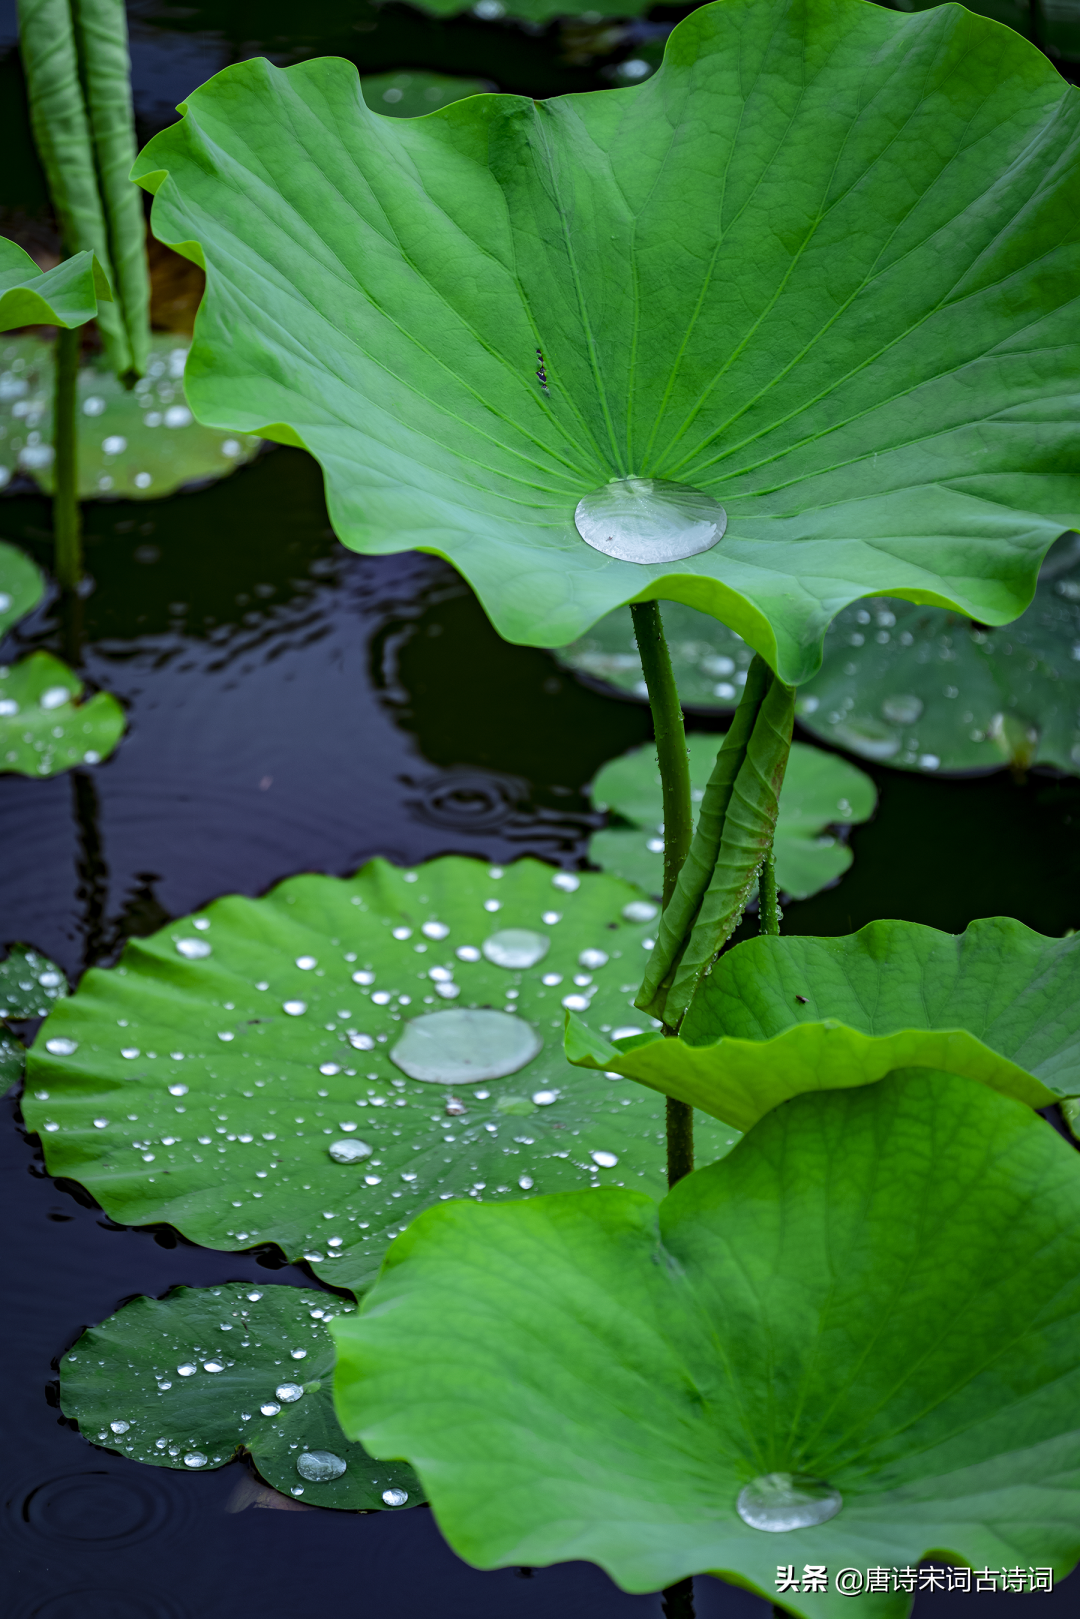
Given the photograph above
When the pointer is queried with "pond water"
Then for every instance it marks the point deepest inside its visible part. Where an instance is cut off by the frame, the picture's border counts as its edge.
(294, 708)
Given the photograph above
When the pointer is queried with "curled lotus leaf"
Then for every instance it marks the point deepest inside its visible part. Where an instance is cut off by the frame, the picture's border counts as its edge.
(813, 270)
(64, 296)
(821, 795)
(191, 1380)
(244, 1075)
(878, 1289)
(779, 1016)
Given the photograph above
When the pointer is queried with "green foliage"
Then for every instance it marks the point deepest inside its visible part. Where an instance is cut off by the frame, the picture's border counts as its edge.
(921, 689)
(21, 584)
(138, 443)
(66, 296)
(29, 983)
(814, 267)
(75, 57)
(709, 661)
(778, 1016)
(238, 1343)
(412, 94)
(219, 1106)
(820, 791)
(879, 1288)
(45, 726)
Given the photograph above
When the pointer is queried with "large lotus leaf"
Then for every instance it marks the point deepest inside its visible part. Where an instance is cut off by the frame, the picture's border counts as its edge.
(65, 296)
(44, 726)
(205, 1080)
(412, 94)
(21, 584)
(777, 1016)
(709, 661)
(877, 1288)
(137, 443)
(183, 1382)
(820, 792)
(821, 267)
(921, 689)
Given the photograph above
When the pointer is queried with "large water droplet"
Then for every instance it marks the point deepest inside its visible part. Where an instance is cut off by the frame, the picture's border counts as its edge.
(319, 1466)
(395, 1498)
(464, 1046)
(903, 709)
(516, 947)
(649, 520)
(289, 1392)
(61, 1047)
(270, 1408)
(780, 1501)
(194, 1458)
(349, 1152)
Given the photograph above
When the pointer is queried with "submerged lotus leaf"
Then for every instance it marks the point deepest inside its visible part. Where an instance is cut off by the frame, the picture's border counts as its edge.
(168, 1381)
(777, 1016)
(215, 1078)
(877, 1288)
(64, 296)
(815, 268)
(44, 725)
(21, 584)
(820, 793)
(412, 94)
(137, 443)
(922, 689)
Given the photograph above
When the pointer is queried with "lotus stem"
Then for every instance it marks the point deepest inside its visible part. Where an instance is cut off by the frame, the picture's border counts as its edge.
(674, 765)
(67, 531)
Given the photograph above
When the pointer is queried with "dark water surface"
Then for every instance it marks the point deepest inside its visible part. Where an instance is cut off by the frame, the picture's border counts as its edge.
(296, 708)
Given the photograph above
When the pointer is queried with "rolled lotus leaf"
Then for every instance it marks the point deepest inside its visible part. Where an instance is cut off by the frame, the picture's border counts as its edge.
(877, 1291)
(64, 296)
(778, 1016)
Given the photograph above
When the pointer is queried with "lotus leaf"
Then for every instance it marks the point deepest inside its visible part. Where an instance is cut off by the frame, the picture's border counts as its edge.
(229, 1057)
(65, 296)
(411, 95)
(877, 1288)
(137, 443)
(777, 1016)
(709, 661)
(29, 983)
(821, 267)
(820, 792)
(189, 1380)
(21, 584)
(44, 725)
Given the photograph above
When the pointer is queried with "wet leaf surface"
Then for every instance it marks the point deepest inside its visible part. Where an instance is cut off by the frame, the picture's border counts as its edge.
(45, 726)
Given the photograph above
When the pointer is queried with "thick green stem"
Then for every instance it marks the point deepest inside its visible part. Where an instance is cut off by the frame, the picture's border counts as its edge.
(67, 530)
(768, 900)
(678, 823)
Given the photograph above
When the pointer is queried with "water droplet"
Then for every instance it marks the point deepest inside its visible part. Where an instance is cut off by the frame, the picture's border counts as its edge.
(194, 949)
(649, 520)
(187, 1370)
(465, 1046)
(903, 709)
(545, 1098)
(468, 952)
(178, 1090)
(213, 1366)
(62, 1047)
(493, 905)
(395, 1498)
(576, 1003)
(55, 697)
(551, 979)
(349, 1152)
(119, 1427)
(780, 1501)
(270, 1409)
(289, 1392)
(254, 1297)
(294, 1008)
(455, 1108)
(435, 930)
(402, 933)
(525, 1182)
(516, 947)
(929, 761)
(305, 963)
(551, 917)
(593, 959)
(606, 1160)
(566, 881)
(319, 1466)
(100, 1124)
(194, 1458)
(625, 1031)
(329, 1068)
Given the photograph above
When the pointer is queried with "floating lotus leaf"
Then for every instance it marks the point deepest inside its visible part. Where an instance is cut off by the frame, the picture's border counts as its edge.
(709, 661)
(189, 1380)
(777, 1016)
(44, 727)
(65, 296)
(29, 983)
(21, 584)
(922, 689)
(813, 269)
(528, 10)
(412, 94)
(820, 792)
(877, 1288)
(240, 1061)
(138, 444)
